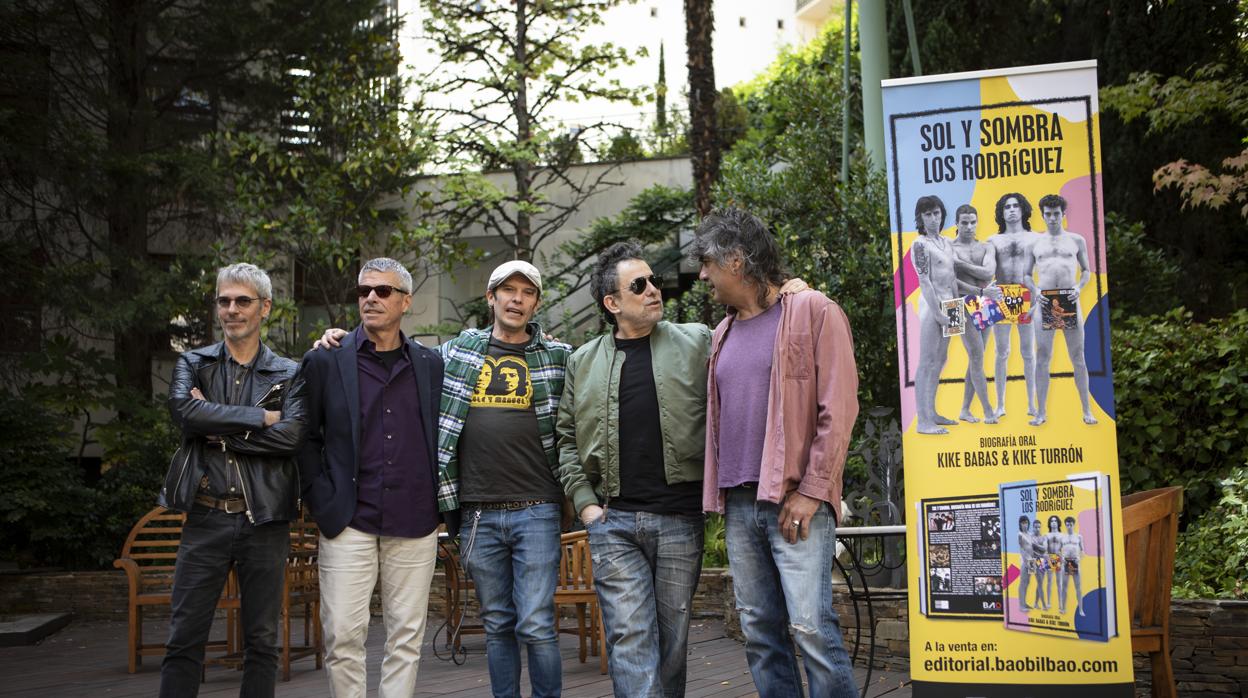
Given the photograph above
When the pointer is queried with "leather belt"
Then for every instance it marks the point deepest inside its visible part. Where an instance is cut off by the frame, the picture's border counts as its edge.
(508, 506)
(236, 505)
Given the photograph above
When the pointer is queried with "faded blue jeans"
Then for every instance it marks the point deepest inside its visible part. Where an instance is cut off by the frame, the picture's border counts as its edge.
(646, 569)
(784, 594)
(514, 563)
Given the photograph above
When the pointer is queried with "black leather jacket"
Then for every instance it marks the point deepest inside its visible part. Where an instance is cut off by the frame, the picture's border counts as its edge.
(264, 455)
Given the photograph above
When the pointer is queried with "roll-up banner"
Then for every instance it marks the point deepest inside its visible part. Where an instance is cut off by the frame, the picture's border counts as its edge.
(1017, 581)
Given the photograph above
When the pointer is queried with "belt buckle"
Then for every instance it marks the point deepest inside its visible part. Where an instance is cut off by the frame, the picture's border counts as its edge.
(234, 506)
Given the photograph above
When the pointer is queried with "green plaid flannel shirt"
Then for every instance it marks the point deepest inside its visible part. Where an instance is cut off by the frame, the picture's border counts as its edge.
(463, 357)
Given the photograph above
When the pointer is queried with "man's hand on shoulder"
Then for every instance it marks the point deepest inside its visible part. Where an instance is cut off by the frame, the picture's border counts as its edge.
(331, 339)
(794, 286)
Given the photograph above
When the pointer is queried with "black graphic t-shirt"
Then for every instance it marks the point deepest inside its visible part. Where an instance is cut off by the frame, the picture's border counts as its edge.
(500, 450)
(643, 483)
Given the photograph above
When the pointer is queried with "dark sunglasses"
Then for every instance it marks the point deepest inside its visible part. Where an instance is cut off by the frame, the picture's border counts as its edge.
(638, 285)
(243, 302)
(383, 291)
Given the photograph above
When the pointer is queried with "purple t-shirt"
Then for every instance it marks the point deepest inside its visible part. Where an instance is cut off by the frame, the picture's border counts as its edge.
(743, 377)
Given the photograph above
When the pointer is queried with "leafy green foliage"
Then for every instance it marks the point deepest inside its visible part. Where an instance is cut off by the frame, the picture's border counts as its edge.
(314, 208)
(1212, 556)
(1144, 278)
(51, 515)
(1181, 393)
(784, 170)
(714, 541)
(1177, 102)
(503, 66)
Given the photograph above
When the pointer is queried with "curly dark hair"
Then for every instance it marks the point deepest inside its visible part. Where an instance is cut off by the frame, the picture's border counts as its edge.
(605, 278)
(728, 233)
(925, 204)
(1022, 202)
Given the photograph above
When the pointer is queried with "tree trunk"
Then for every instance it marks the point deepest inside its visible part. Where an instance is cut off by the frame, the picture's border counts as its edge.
(703, 138)
(129, 118)
(522, 168)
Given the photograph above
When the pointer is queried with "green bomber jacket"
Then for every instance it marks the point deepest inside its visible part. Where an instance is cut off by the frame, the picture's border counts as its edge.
(588, 424)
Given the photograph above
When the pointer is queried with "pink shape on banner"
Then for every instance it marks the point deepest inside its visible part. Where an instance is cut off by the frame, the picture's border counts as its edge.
(1087, 526)
(1079, 216)
(911, 278)
(1015, 613)
(908, 411)
(1011, 574)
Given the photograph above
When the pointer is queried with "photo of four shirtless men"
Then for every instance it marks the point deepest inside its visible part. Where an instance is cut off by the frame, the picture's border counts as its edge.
(970, 287)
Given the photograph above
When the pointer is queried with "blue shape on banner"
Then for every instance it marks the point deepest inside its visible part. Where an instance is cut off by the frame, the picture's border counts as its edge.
(1100, 386)
(1090, 626)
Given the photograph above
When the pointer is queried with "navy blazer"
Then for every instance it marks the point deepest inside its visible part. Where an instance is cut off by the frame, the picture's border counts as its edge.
(329, 459)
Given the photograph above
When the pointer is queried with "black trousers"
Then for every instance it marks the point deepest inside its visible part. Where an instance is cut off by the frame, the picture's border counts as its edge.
(212, 540)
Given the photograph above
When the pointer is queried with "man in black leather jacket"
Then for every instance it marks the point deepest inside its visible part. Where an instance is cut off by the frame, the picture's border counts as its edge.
(240, 409)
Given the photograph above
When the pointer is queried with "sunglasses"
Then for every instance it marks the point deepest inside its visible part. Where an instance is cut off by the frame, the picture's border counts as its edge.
(243, 302)
(383, 291)
(638, 285)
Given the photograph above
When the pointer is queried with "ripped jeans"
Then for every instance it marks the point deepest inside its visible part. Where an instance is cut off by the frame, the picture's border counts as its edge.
(646, 568)
(784, 595)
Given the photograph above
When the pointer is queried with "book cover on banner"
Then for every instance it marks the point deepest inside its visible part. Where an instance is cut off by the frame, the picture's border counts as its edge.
(960, 555)
(955, 316)
(1058, 558)
(996, 202)
(1060, 312)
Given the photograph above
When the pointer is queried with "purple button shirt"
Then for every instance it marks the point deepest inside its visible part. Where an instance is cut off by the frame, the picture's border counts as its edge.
(395, 490)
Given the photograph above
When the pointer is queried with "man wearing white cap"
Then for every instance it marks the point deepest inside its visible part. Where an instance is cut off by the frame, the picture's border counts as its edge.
(497, 459)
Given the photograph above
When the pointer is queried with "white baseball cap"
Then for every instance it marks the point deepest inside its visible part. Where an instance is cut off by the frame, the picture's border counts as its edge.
(516, 266)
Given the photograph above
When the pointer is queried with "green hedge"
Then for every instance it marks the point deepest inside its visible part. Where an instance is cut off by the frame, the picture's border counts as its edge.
(1181, 393)
(51, 516)
(1212, 557)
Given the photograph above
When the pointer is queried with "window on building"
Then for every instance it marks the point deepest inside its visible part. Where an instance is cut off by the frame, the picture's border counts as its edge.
(186, 106)
(654, 12)
(779, 24)
(740, 21)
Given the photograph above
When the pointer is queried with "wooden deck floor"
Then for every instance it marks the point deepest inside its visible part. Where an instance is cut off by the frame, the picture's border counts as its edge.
(88, 659)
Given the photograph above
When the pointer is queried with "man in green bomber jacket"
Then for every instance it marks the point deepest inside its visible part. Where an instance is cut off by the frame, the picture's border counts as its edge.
(631, 429)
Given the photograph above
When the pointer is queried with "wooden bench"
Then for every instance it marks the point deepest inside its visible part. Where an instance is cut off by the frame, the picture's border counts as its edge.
(1150, 523)
(148, 557)
(576, 587)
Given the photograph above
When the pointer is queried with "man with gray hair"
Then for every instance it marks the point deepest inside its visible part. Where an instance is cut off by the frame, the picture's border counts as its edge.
(369, 473)
(240, 410)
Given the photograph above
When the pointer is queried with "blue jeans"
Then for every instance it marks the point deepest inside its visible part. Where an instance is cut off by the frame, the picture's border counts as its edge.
(212, 540)
(646, 569)
(514, 563)
(784, 594)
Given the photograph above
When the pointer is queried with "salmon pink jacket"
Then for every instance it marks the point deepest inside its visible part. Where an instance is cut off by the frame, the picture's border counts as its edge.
(812, 404)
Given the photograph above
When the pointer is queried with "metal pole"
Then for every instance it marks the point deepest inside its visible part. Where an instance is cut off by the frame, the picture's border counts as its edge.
(873, 52)
(847, 38)
(914, 41)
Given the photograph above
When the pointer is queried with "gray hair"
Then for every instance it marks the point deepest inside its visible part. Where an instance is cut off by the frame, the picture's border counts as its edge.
(248, 274)
(730, 233)
(387, 265)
